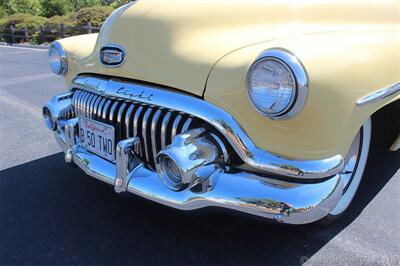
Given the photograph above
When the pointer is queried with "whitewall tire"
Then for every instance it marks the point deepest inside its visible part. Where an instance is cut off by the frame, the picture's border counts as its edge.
(355, 163)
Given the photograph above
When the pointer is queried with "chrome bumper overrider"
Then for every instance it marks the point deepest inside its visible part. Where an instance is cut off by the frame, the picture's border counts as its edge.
(292, 202)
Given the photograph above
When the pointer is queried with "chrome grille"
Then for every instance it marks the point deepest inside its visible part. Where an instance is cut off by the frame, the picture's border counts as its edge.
(154, 125)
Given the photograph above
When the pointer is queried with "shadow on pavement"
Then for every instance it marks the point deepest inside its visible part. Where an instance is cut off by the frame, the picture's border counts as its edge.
(54, 214)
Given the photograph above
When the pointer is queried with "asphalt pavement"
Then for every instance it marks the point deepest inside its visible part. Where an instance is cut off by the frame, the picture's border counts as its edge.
(53, 214)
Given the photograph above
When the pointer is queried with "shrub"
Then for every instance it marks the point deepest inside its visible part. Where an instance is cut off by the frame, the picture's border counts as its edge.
(114, 3)
(55, 7)
(22, 6)
(23, 20)
(96, 15)
(3, 12)
(55, 21)
(79, 4)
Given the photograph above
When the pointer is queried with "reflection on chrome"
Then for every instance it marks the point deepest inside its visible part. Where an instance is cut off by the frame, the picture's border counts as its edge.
(207, 182)
(252, 156)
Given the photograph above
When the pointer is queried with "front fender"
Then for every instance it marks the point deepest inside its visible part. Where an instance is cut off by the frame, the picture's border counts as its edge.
(342, 68)
(78, 48)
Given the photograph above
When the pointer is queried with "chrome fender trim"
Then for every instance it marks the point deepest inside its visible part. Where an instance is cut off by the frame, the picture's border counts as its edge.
(380, 94)
(251, 155)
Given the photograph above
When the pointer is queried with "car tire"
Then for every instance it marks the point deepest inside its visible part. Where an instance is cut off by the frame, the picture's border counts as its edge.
(353, 172)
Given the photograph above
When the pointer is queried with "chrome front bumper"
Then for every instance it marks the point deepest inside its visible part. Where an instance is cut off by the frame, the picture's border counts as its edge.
(282, 201)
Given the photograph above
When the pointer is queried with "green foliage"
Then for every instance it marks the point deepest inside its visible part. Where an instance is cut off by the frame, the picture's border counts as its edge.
(55, 21)
(32, 7)
(114, 3)
(70, 13)
(55, 8)
(79, 4)
(3, 13)
(96, 15)
(22, 20)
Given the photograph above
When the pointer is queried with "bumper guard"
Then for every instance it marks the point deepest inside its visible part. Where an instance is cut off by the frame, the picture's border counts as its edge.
(282, 201)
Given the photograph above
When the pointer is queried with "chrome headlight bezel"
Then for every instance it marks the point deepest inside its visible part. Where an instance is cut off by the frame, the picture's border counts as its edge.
(300, 93)
(62, 69)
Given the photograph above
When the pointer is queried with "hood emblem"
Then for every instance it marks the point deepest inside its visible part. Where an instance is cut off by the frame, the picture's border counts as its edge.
(112, 56)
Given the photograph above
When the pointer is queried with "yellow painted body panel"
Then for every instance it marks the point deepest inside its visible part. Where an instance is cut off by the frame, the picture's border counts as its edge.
(349, 49)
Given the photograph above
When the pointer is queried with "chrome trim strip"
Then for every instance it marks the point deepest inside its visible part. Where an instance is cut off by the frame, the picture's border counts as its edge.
(380, 94)
(164, 127)
(251, 155)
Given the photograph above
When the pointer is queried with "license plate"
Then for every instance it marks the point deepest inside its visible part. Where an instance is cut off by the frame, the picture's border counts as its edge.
(97, 137)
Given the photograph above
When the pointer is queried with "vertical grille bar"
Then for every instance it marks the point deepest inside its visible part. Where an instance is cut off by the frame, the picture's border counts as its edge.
(175, 125)
(100, 109)
(91, 108)
(144, 133)
(136, 121)
(164, 128)
(85, 104)
(186, 125)
(96, 106)
(88, 105)
(155, 134)
(120, 118)
(111, 117)
(105, 110)
(74, 100)
(155, 126)
(80, 103)
(138, 114)
(128, 131)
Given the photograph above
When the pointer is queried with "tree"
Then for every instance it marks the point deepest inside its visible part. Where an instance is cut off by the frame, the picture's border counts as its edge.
(22, 6)
(79, 4)
(55, 8)
(114, 3)
(96, 15)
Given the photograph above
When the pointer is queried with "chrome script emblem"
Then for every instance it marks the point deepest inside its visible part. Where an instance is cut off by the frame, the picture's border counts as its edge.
(112, 56)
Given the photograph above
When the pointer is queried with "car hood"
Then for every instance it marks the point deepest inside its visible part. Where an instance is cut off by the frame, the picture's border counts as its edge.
(177, 43)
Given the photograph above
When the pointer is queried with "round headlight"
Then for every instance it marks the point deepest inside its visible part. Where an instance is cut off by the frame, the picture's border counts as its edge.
(57, 59)
(277, 84)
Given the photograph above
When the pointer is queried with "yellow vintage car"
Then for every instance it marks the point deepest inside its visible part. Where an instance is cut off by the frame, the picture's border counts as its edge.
(263, 107)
